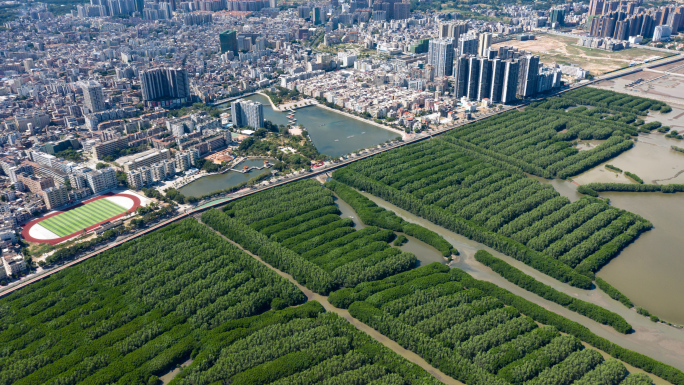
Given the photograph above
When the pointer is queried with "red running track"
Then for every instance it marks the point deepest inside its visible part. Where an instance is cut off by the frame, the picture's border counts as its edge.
(27, 227)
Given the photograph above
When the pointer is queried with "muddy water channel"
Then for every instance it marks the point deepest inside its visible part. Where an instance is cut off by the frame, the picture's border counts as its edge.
(662, 342)
(649, 271)
(425, 253)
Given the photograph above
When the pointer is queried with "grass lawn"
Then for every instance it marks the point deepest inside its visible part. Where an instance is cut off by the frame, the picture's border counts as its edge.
(77, 219)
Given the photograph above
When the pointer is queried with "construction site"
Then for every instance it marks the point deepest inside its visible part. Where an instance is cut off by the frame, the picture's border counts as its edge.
(564, 50)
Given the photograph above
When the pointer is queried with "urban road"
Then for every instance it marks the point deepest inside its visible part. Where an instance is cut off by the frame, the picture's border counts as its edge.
(321, 170)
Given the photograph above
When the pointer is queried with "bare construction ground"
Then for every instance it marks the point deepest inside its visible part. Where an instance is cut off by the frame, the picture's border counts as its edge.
(562, 50)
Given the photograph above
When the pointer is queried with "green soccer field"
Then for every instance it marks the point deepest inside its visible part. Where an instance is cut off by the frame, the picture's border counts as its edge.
(75, 220)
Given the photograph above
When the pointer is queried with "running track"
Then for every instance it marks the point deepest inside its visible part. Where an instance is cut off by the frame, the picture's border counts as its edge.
(25, 233)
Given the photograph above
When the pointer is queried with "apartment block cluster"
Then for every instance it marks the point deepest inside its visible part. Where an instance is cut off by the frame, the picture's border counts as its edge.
(157, 166)
(623, 20)
(199, 132)
(228, 5)
(47, 176)
(165, 9)
(499, 75)
(100, 8)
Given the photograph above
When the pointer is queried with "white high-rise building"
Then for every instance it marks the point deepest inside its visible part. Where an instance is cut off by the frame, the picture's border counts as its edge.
(183, 160)
(441, 56)
(247, 113)
(484, 42)
(662, 33)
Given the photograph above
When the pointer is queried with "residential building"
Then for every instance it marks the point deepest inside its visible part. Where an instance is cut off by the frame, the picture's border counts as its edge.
(165, 83)
(318, 16)
(228, 41)
(247, 113)
(498, 69)
(92, 96)
(101, 180)
(454, 30)
(32, 122)
(303, 11)
(461, 76)
(557, 15)
(146, 173)
(484, 42)
(110, 147)
(676, 20)
(135, 179)
(158, 171)
(595, 7)
(78, 180)
(43, 158)
(184, 161)
(484, 83)
(35, 184)
(467, 45)
(7, 232)
(169, 167)
(441, 56)
(55, 197)
(149, 158)
(528, 73)
(379, 15)
(140, 177)
(510, 81)
(13, 263)
(402, 11)
(662, 33)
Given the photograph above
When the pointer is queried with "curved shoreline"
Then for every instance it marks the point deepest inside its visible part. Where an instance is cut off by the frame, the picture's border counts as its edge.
(345, 113)
(238, 160)
(230, 169)
(401, 133)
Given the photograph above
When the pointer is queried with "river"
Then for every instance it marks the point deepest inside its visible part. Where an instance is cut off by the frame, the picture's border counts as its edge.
(333, 134)
(211, 183)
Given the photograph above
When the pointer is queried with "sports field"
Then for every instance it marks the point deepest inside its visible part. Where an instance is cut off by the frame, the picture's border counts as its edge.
(75, 220)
